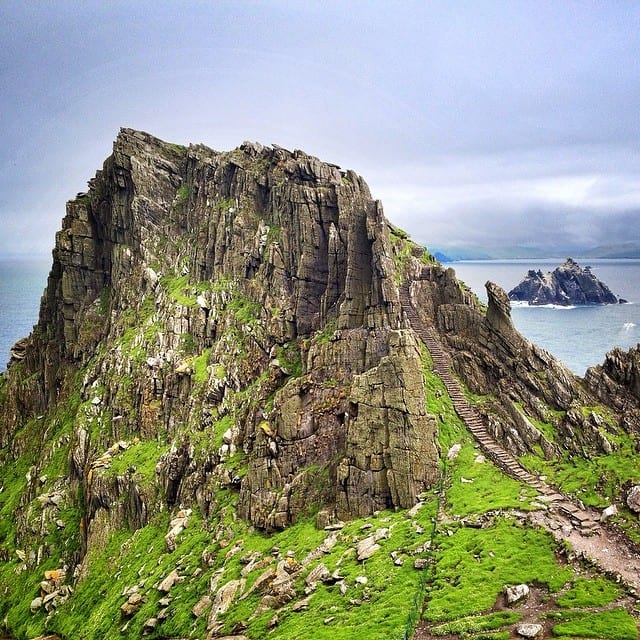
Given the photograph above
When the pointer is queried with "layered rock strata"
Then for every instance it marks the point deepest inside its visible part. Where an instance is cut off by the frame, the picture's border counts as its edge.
(224, 324)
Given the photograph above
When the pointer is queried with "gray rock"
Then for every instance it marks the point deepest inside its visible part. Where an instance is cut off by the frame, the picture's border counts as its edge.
(516, 593)
(633, 499)
(201, 607)
(366, 548)
(529, 630)
(319, 573)
(569, 284)
(168, 582)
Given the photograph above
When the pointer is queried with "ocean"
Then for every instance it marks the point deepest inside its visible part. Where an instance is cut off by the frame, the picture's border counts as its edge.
(22, 283)
(579, 336)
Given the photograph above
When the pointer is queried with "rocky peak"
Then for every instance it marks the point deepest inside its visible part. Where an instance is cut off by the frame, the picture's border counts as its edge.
(242, 337)
(568, 284)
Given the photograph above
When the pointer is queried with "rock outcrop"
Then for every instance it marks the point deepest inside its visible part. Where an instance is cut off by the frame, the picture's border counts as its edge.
(568, 284)
(226, 331)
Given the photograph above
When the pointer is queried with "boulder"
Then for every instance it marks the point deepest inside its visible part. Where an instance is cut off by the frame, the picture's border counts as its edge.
(319, 573)
(223, 599)
(516, 593)
(453, 452)
(529, 630)
(366, 548)
(169, 581)
(201, 607)
(633, 499)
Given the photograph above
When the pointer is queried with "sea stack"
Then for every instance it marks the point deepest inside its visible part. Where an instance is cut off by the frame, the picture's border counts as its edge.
(568, 284)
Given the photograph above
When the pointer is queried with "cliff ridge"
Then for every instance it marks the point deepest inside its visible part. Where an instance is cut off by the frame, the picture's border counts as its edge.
(230, 352)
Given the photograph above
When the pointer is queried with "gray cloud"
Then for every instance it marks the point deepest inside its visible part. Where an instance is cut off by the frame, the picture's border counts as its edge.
(472, 121)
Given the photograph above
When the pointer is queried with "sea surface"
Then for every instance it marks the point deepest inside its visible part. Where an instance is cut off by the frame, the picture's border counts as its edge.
(22, 283)
(579, 336)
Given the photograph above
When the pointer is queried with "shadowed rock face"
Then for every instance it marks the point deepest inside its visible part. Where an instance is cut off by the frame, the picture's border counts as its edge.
(569, 284)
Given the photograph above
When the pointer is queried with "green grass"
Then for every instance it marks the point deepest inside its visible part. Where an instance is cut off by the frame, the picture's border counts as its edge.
(246, 311)
(475, 624)
(200, 363)
(142, 455)
(616, 624)
(473, 565)
(182, 194)
(477, 487)
(589, 592)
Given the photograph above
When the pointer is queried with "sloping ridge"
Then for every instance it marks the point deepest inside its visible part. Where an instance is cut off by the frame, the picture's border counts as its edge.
(564, 519)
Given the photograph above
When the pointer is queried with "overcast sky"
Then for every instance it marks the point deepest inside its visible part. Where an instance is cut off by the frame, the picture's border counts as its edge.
(476, 123)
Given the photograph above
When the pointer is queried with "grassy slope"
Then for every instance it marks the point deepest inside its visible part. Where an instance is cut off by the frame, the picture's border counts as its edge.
(468, 567)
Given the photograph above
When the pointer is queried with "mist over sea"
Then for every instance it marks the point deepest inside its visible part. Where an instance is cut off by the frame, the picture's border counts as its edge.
(579, 336)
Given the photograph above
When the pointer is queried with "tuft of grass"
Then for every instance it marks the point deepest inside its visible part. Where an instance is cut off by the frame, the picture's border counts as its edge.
(475, 624)
(589, 592)
(615, 624)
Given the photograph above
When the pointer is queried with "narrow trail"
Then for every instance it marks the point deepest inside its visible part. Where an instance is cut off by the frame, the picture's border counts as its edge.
(564, 519)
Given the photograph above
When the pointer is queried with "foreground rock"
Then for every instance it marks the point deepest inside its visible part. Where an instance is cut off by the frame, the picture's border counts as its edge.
(569, 284)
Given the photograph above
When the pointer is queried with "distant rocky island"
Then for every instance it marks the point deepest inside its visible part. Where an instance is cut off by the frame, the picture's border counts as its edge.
(568, 284)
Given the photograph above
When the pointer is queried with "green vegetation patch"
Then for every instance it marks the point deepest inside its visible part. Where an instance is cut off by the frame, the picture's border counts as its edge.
(200, 363)
(474, 624)
(615, 624)
(141, 456)
(474, 565)
(477, 487)
(589, 592)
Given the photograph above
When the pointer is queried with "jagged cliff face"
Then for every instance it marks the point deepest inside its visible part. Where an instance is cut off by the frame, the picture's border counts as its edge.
(233, 322)
(240, 307)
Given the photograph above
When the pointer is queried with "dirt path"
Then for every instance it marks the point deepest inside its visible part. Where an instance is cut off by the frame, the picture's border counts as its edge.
(565, 519)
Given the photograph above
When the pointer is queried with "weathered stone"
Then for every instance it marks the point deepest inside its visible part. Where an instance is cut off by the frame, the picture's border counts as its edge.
(453, 452)
(169, 580)
(529, 630)
(366, 548)
(201, 607)
(608, 512)
(133, 603)
(150, 624)
(420, 563)
(223, 599)
(516, 593)
(633, 498)
(319, 573)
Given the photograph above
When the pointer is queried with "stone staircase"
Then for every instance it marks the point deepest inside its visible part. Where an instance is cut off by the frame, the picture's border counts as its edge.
(582, 519)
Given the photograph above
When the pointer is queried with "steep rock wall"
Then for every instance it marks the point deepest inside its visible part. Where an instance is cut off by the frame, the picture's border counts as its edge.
(225, 304)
